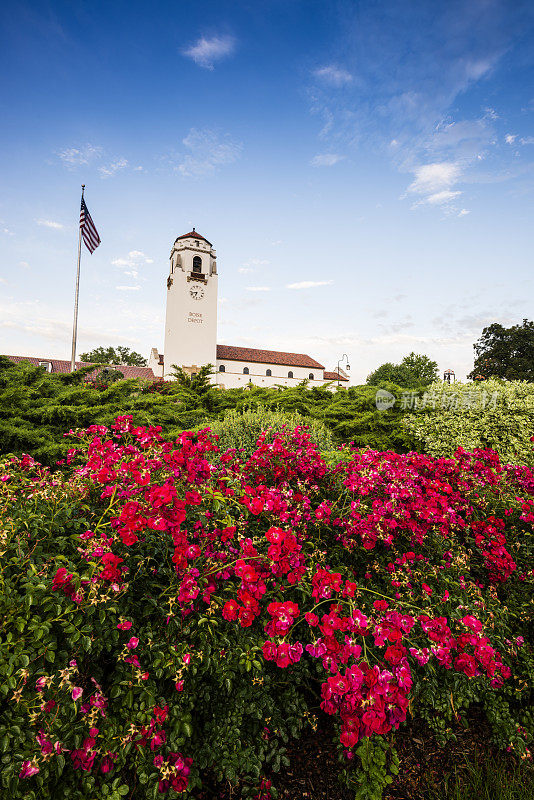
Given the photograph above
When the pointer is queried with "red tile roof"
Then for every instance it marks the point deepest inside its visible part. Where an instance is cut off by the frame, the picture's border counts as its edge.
(61, 366)
(333, 376)
(230, 353)
(193, 235)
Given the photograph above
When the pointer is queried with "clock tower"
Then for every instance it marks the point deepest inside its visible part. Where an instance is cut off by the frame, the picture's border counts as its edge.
(191, 318)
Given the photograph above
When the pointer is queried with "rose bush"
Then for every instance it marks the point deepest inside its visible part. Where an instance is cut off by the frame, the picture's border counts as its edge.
(174, 614)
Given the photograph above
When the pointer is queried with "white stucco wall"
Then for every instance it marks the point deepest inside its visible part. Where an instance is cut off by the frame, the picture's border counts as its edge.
(233, 376)
(153, 363)
(191, 317)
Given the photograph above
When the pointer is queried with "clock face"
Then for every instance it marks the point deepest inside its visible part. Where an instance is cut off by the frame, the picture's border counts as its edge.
(196, 292)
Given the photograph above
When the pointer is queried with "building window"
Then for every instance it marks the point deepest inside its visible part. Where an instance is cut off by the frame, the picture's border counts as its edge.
(222, 368)
(289, 374)
(268, 373)
(245, 370)
(197, 264)
(310, 376)
(46, 365)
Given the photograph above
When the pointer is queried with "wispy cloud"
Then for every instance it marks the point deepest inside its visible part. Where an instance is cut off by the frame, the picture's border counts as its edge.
(252, 264)
(406, 107)
(208, 50)
(308, 284)
(207, 151)
(334, 76)
(326, 159)
(111, 169)
(127, 288)
(74, 157)
(131, 266)
(49, 223)
(258, 288)
(510, 138)
(434, 182)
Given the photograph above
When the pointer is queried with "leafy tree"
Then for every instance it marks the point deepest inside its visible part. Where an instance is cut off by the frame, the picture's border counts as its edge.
(421, 367)
(393, 373)
(505, 352)
(414, 370)
(114, 355)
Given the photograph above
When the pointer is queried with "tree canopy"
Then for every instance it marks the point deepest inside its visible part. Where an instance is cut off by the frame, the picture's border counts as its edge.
(414, 370)
(505, 352)
(114, 355)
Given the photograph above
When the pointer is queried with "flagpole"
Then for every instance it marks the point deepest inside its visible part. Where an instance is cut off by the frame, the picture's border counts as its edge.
(75, 321)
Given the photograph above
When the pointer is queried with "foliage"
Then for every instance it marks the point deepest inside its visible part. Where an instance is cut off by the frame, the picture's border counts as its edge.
(414, 370)
(36, 407)
(171, 610)
(241, 431)
(495, 414)
(105, 378)
(424, 370)
(114, 355)
(505, 352)
(198, 382)
(487, 781)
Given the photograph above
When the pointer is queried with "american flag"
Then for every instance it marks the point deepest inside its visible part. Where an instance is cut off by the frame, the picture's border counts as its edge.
(87, 227)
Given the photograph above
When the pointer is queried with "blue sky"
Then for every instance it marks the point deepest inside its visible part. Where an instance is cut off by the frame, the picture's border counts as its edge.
(364, 169)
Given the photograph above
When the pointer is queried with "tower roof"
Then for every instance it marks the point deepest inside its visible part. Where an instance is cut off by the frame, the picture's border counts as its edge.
(193, 235)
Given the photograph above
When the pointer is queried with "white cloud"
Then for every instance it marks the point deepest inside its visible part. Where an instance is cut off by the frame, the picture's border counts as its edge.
(207, 152)
(251, 264)
(77, 156)
(48, 223)
(433, 178)
(112, 168)
(510, 138)
(463, 212)
(134, 258)
(527, 140)
(258, 288)
(131, 267)
(308, 284)
(326, 160)
(335, 76)
(206, 51)
(128, 288)
(442, 197)
(474, 70)
(24, 264)
(434, 183)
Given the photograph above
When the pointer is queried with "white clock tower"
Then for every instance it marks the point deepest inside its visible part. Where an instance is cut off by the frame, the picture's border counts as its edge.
(191, 318)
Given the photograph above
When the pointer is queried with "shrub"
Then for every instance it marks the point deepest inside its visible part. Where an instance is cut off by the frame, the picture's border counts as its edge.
(172, 611)
(241, 431)
(494, 414)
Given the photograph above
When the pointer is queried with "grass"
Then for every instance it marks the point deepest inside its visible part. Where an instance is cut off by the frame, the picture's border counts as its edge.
(493, 780)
